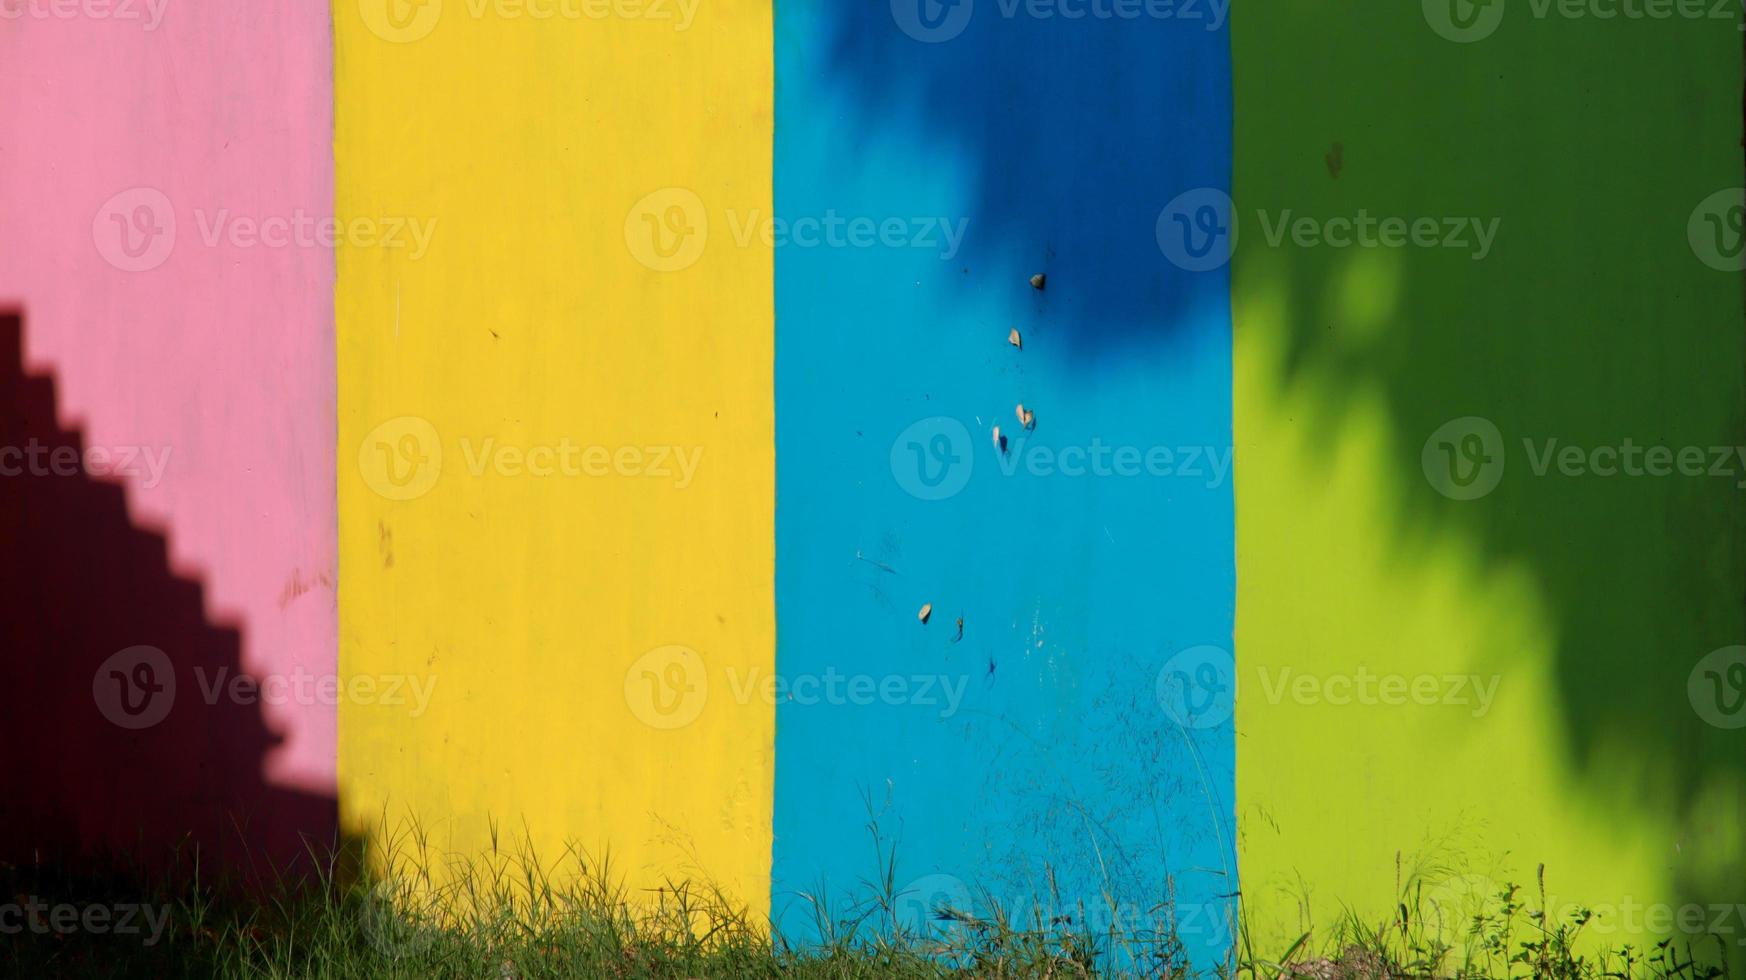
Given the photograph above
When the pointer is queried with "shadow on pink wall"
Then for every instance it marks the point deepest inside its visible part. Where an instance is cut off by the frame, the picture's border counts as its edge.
(119, 700)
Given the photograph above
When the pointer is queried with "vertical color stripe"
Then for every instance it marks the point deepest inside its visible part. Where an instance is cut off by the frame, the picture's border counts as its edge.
(1585, 601)
(145, 151)
(566, 318)
(1034, 748)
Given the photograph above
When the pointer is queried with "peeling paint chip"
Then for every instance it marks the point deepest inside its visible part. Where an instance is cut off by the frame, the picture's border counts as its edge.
(927, 610)
(1015, 340)
(1039, 280)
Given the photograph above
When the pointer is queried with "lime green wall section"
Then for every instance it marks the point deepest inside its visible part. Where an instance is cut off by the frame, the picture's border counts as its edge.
(1588, 601)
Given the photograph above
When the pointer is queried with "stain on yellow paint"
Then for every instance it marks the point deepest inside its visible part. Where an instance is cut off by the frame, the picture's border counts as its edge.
(555, 436)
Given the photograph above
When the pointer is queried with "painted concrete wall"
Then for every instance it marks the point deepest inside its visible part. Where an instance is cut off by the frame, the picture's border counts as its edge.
(1587, 603)
(665, 356)
(143, 152)
(556, 487)
(1013, 749)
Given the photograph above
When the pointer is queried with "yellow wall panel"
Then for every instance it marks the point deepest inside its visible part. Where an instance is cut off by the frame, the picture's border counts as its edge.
(511, 536)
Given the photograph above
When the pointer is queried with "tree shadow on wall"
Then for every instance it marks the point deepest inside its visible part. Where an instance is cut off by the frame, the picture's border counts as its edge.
(115, 750)
(1590, 322)
(1069, 136)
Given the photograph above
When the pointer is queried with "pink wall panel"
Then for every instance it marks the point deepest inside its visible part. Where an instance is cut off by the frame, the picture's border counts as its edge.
(168, 167)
